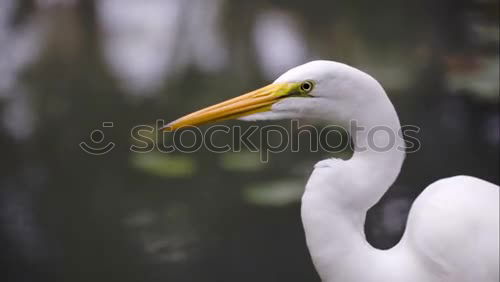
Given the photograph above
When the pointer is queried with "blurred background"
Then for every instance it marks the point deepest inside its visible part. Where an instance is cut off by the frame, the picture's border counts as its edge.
(67, 66)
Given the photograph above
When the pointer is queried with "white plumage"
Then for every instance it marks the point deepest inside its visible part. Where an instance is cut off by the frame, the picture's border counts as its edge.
(452, 233)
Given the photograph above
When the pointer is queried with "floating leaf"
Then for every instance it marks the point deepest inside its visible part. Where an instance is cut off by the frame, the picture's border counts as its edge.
(165, 165)
(241, 161)
(275, 193)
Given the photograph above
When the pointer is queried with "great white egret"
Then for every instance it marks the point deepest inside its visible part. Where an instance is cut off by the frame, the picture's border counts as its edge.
(452, 232)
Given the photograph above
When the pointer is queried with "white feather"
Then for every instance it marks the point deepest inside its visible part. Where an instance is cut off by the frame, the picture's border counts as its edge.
(452, 233)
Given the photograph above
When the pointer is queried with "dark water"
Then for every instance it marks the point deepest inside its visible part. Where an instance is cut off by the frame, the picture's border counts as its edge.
(68, 66)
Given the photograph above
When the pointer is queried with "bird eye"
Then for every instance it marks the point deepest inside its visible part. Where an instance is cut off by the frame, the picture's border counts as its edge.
(307, 86)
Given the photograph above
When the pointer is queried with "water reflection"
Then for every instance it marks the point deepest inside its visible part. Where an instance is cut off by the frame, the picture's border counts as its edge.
(176, 242)
(20, 45)
(139, 38)
(278, 42)
(18, 117)
(146, 42)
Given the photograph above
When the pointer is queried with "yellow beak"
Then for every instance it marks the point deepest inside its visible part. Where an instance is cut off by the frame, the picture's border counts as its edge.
(253, 102)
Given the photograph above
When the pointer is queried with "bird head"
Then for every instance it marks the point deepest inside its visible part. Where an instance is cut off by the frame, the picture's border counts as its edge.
(323, 90)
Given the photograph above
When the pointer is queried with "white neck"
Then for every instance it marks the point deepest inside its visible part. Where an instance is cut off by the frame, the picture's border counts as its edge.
(339, 193)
